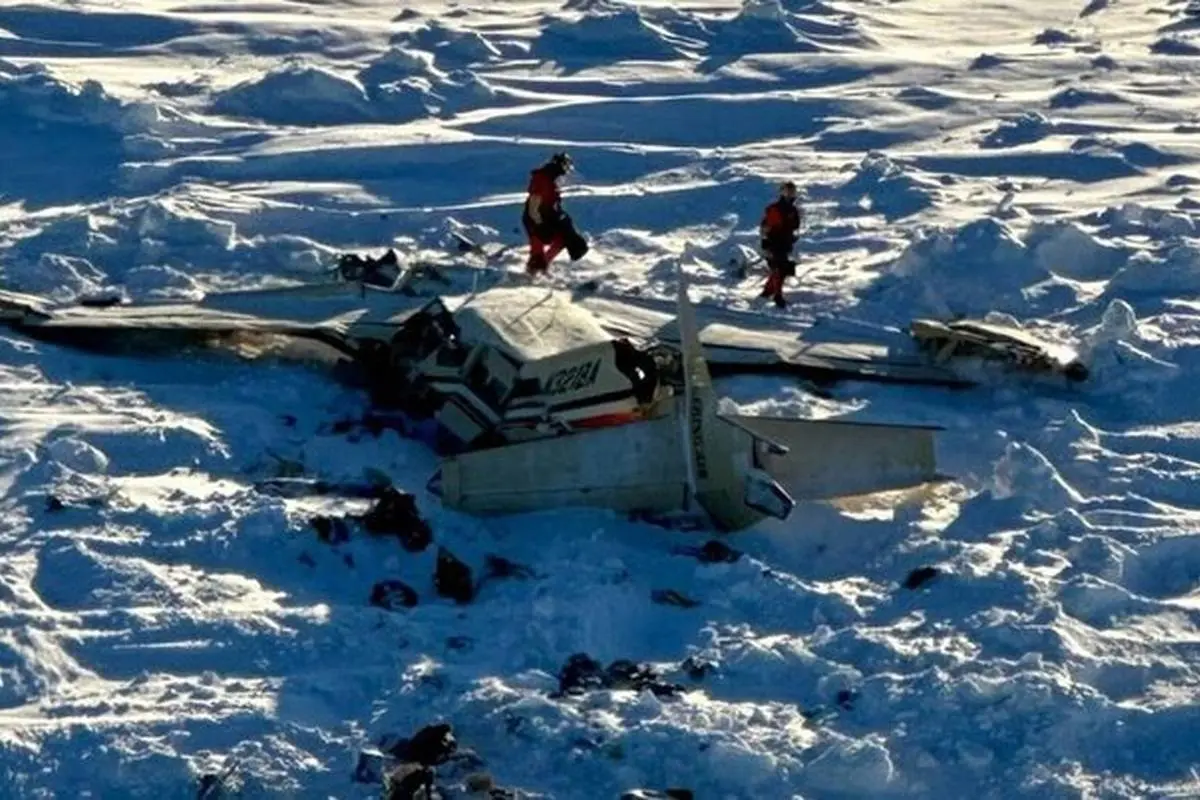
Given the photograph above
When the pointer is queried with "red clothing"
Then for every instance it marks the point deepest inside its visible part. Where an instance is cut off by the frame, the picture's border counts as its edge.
(542, 253)
(780, 222)
(545, 241)
(544, 186)
(774, 284)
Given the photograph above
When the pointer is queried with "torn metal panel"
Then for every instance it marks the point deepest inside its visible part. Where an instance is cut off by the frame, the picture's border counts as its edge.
(997, 342)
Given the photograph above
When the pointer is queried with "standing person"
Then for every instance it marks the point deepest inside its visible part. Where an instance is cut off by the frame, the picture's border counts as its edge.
(779, 230)
(545, 223)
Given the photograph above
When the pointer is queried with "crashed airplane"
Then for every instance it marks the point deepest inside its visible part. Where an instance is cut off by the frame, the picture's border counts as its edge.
(607, 402)
(679, 455)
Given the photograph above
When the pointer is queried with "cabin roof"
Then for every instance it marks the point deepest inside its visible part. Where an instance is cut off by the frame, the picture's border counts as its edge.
(528, 323)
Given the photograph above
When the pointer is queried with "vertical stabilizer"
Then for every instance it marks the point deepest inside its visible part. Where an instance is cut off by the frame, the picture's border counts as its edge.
(686, 321)
(709, 461)
(723, 475)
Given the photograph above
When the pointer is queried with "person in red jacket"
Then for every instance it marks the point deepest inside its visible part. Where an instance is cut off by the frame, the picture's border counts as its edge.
(545, 223)
(779, 229)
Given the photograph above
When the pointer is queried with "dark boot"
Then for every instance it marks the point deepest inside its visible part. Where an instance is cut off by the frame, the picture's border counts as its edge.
(536, 264)
(553, 249)
(774, 284)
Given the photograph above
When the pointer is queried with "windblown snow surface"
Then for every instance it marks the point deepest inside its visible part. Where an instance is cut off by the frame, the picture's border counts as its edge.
(164, 620)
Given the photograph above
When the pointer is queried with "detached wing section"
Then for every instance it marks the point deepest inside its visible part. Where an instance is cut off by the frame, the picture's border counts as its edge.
(333, 313)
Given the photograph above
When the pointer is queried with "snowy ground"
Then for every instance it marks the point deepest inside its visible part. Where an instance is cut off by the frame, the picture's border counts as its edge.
(163, 619)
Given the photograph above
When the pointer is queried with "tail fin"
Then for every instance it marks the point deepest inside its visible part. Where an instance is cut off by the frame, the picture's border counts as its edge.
(700, 403)
(722, 476)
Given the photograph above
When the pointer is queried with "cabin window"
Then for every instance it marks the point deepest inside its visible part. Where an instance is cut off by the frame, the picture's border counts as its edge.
(640, 368)
(486, 388)
(526, 387)
(451, 355)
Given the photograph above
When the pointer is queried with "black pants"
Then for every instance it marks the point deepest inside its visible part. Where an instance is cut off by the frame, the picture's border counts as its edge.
(780, 266)
(779, 258)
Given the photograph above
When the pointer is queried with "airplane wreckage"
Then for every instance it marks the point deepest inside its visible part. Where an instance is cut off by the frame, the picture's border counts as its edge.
(544, 399)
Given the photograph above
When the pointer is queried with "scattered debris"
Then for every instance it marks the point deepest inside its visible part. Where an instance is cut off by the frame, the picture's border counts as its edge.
(55, 503)
(306, 487)
(409, 781)
(500, 567)
(370, 766)
(396, 514)
(373, 423)
(459, 642)
(393, 595)
(682, 522)
(582, 674)
(286, 467)
(845, 699)
(670, 597)
(698, 668)
(383, 271)
(393, 514)
(430, 746)
(212, 785)
(711, 552)
(331, 530)
(452, 577)
(920, 576)
(625, 674)
(999, 342)
(480, 782)
(428, 766)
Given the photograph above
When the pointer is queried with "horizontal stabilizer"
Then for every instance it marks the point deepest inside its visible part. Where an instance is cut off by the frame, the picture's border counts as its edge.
(825, 459)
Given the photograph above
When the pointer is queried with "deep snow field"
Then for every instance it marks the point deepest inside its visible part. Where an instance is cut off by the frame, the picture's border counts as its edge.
(164, 619)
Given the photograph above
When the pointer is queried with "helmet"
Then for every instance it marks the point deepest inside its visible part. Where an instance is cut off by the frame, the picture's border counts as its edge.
(562, 161)
(787, 189)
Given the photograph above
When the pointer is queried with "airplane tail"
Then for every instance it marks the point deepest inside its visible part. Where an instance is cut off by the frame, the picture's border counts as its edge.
(721, 476)
(698, 401)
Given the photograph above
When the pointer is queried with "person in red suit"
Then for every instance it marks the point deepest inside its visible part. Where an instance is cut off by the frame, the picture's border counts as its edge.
(778, 231)
(547, 227)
